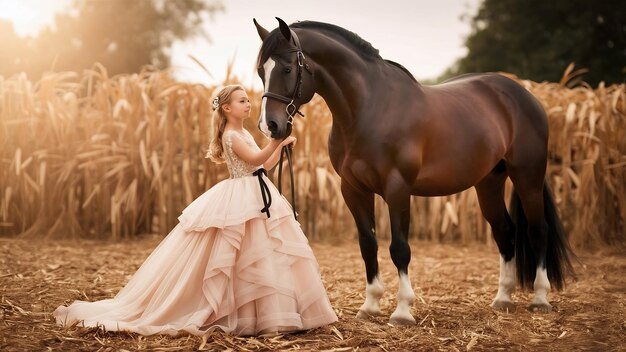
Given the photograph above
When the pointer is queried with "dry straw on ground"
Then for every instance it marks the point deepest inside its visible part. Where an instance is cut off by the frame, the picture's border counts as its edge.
(95, 156)
(454, 286)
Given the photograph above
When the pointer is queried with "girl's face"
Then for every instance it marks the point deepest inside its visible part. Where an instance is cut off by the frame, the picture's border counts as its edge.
(239, 106)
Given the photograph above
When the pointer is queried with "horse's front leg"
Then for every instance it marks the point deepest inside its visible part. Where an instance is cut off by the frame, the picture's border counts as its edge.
(361, 205)
(398, 197)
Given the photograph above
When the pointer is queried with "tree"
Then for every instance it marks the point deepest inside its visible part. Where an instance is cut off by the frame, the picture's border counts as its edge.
(122, 35)
(538, 39)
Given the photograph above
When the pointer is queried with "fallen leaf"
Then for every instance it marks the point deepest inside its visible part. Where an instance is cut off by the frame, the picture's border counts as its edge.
(203, 343)
(53, 266)
(337, 332)
(472, 343)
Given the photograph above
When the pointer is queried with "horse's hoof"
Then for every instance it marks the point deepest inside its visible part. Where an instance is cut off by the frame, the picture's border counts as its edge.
(505, 306)
(403, 320)
(540, 308)
(367, 315)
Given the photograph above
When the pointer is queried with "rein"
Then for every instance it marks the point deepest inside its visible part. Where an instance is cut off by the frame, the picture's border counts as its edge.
(265, 191)
(287, 151)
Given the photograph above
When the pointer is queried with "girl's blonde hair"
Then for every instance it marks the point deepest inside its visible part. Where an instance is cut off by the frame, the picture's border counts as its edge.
(216, 150)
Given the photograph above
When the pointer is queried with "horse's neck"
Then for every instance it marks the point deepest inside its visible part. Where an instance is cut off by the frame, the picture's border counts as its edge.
(339, 71)
(349, 83)
(348, 87)
(346, 92)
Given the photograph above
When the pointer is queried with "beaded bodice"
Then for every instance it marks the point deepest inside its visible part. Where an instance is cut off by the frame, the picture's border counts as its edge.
(237, 167)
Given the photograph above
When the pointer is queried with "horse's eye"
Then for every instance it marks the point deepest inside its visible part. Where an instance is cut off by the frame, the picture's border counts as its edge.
(287, 69)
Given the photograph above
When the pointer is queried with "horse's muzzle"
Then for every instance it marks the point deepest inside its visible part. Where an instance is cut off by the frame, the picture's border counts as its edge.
(273, 127)
(278, 131)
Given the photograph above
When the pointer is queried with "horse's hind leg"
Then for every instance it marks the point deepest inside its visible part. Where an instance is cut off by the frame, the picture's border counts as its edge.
(490, 193)
(528, 182)
(361, 205)
(398, 197)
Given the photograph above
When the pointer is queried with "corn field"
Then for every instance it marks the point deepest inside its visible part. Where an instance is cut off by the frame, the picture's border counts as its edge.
(92, 156)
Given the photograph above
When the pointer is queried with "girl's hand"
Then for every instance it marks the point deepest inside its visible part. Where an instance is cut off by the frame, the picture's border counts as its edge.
(289, 140)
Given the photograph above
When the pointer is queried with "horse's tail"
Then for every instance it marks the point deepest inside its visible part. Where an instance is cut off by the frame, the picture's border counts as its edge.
(558, 253)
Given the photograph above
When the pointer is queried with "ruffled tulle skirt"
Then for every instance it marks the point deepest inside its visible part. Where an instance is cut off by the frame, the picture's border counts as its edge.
(224, 266)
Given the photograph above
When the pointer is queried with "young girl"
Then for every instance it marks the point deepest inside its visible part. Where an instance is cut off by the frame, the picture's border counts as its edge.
(227, 265)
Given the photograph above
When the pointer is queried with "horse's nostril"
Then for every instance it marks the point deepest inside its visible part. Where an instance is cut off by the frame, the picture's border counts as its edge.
(272, 126)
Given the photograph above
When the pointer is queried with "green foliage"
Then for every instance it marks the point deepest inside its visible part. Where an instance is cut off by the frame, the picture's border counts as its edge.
(538, 39)
(123, 35)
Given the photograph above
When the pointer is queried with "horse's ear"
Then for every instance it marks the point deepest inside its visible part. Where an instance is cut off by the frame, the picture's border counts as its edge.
(262, 31)
(284, 29)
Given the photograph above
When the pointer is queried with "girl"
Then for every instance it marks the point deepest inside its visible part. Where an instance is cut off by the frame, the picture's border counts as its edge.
(236, 261)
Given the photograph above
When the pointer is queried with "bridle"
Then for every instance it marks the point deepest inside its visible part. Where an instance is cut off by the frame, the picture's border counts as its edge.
(291, 109)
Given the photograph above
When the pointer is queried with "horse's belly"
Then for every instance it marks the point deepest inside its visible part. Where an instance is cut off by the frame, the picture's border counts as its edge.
(434, 188)
(446, 180)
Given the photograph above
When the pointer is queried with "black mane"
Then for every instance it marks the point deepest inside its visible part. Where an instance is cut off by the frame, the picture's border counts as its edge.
(361, 45)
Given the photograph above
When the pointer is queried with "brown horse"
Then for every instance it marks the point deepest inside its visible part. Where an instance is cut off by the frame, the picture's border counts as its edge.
(394, 137)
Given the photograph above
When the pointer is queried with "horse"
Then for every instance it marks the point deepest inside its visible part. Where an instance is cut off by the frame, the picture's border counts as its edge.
(395, 137)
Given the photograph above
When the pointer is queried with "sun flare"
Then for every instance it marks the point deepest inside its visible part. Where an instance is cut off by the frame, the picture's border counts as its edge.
(30, 16)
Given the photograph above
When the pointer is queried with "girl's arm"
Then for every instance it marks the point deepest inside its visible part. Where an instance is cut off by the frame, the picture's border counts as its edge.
(249, 155)
(273, 159)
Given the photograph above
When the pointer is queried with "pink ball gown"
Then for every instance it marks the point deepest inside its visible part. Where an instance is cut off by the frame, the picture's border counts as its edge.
(226, 266)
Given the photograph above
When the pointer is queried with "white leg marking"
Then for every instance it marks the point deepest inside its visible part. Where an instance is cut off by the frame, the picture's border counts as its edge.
(268, 66)
(506, 284)
(406, 297)
(542, 287)
(373, 293)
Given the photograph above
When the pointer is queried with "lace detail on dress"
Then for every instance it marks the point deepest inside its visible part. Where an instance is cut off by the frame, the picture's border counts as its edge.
(237, 167)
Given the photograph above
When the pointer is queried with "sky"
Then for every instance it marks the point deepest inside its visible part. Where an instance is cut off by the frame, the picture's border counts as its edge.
(425, 36)
(29, 16)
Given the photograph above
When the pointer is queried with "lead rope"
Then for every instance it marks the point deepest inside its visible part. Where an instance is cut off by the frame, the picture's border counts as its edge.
(287, 151)
(265, 191)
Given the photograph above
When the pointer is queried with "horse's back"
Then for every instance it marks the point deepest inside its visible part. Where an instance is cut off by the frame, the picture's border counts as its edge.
(515, 100)
(482, 118)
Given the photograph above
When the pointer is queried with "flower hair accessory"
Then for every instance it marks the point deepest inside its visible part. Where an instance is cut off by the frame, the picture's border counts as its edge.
(216, 103)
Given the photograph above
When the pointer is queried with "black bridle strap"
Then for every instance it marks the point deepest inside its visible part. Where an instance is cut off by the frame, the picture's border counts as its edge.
(265, 191)
(291, 108)
(277, 97)
(287, 151)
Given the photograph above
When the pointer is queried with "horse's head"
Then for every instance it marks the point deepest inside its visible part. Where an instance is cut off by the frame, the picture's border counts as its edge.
(287, 79)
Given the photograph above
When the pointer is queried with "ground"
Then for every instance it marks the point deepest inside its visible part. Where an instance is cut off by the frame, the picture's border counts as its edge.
(454, 285)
